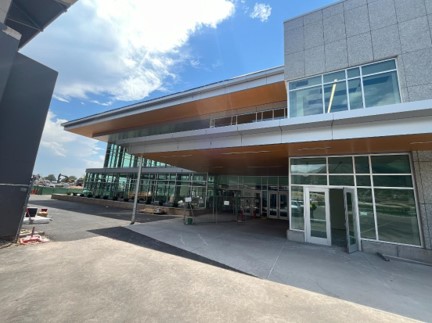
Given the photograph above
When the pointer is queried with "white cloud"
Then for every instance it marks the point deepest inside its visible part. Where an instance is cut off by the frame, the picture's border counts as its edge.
(105, 104)
(61, 99)
(261, 11)
(122, 49)
(54, 137)
(64, 152)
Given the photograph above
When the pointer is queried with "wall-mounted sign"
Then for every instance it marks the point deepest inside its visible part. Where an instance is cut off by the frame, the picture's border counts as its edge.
(226, 203)
(188, 199)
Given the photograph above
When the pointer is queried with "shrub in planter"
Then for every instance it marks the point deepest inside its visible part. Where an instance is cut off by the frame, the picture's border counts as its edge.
(114, 198)
(82, 195)
(89, 195)
(74, 194)
(68, 193)
(105, 197)
(97, 197)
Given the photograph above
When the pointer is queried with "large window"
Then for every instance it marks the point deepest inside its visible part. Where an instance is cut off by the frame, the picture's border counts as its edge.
(117, 157)
(355, 88)
(385, 192)
(277, 113)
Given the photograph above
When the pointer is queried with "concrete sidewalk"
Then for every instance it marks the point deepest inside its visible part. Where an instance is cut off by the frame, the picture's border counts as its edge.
(105, 280)
(259, 247)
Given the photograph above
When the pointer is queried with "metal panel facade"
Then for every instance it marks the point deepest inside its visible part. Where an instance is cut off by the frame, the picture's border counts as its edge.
(23, 109)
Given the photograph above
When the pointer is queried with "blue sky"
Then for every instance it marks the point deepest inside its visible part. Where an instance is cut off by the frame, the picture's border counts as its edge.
(113, 53)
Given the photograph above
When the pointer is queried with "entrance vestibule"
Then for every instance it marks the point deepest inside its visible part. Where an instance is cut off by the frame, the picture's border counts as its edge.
(330, 217)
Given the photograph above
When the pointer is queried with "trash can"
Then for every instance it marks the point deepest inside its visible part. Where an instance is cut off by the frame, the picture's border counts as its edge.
(31, 212)
(189, 220)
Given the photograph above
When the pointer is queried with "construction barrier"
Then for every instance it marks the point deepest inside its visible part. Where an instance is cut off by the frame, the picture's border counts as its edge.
(44, 190)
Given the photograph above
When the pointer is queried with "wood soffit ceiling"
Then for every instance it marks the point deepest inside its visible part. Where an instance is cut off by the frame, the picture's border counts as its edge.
(273, 159)
(271, 93)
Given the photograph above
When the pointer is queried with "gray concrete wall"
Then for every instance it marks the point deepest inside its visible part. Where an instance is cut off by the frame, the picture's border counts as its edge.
(422, 162)
(23, 109)
(355, 32)
(399, 251)
(297, 236)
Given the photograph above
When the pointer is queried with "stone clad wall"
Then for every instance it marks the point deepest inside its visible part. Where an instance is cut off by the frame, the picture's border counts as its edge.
(422, 161)
(356, 32)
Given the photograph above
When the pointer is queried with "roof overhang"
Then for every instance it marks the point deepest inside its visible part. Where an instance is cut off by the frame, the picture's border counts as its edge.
(273, 160)
(264, 148)
(31, 17)
(250, 90)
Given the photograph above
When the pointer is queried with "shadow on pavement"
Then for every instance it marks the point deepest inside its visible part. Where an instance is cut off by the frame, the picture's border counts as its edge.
(126, 235)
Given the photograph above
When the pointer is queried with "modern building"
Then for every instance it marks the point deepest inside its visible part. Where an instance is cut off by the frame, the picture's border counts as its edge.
(338, 141)
(26, 88)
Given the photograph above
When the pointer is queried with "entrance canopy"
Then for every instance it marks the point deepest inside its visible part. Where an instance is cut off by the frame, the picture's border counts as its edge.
(261, 146)
(272, 160)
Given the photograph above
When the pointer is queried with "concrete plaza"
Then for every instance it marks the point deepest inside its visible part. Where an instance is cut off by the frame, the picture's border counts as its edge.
(95, 269)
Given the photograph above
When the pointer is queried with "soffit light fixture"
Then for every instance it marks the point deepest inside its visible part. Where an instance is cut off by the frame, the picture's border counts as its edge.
(177, 156)
(246, 152)
(421, 142)
(256, 167)
(314, 148)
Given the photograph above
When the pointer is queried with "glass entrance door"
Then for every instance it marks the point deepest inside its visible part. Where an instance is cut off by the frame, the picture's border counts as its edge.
(317, 215)
(278, 205)
(351, 220)
(283, 206)
(273, 205)
(250, 203)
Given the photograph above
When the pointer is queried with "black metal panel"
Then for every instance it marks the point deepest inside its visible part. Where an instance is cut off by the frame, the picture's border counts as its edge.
(12, 199)
(23, 110)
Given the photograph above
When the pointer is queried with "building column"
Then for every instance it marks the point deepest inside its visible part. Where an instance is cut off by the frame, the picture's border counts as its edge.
(422, 161)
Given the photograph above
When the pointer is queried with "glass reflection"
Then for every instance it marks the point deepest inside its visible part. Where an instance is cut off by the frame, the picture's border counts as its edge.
(366, 213)
(381, 89)
(297, 209)
(397, 216)
(318, 222)
(339, 102)
(306, 102)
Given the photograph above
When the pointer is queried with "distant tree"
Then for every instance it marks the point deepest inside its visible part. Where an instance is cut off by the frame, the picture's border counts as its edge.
(72, 179)
(51, 178)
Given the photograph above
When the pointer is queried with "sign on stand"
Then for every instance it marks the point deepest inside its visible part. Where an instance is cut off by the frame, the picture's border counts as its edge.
(188, 218)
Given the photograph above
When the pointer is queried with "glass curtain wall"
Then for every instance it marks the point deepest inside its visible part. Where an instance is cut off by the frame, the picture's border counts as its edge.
(236, 189)
(117, 157)
(385, 191)
(167, 189)
(355, 88)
